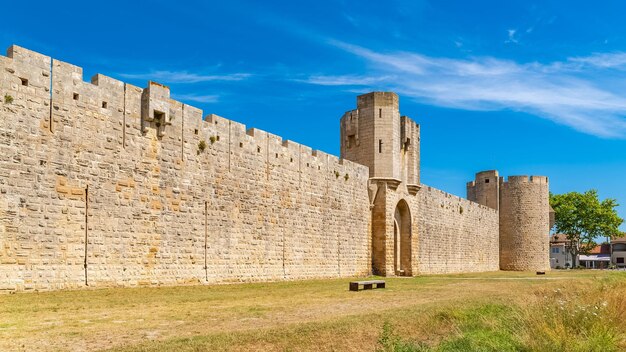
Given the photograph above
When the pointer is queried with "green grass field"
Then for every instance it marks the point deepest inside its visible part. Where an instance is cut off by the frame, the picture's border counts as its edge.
(500, 311)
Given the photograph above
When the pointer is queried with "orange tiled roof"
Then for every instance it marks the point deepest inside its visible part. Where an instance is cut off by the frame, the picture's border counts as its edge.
(601, 249)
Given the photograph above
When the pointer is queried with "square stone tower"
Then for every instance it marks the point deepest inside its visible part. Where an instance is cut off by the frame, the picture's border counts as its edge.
(375, 135)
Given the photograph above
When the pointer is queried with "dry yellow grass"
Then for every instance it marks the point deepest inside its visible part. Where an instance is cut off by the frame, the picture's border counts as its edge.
(306, 315)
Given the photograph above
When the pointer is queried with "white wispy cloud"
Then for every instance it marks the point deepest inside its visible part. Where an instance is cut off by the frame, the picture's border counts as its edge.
(197, 98)
(567, 92)
(602, 60)
(341, 80)
(511, 36)
(184, 77)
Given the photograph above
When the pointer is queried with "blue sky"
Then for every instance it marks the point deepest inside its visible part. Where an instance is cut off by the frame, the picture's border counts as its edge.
(522, 87)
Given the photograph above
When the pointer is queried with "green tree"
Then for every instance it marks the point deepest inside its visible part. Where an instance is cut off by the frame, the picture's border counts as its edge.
(582, 217)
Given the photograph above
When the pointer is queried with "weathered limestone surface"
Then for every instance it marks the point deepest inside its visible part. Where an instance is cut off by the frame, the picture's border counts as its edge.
(85, 179)
(524, 223)
(106, 184)
(455, 234)
(415, 229)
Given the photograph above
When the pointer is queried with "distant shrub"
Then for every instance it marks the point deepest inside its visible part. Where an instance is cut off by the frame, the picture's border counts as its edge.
(201, 146)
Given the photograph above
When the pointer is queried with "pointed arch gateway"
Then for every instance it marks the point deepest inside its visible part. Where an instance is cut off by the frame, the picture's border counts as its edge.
(402, 239)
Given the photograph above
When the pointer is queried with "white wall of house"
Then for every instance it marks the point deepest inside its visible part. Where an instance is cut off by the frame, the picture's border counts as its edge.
(559, 257)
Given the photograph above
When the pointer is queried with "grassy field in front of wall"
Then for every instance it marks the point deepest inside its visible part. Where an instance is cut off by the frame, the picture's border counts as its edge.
(576, 310)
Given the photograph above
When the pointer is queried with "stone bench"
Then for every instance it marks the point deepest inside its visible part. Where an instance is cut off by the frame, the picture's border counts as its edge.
(367, 285)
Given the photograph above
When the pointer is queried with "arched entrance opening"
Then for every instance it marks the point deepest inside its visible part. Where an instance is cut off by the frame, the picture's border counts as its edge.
(402, 239)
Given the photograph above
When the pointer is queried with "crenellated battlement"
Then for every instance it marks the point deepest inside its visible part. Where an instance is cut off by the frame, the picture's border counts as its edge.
(525, 179)
(105, 183)
(142, 110)
(126, 186)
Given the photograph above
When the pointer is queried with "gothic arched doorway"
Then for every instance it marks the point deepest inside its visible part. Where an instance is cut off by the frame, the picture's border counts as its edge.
(402, 239)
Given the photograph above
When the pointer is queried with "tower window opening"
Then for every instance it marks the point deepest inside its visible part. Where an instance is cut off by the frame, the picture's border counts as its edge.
(105, 104)
(351, 141)
(380, 145)
(24, 81)
(159, 116)
(76, 96)
(380, 113)
(486, 180)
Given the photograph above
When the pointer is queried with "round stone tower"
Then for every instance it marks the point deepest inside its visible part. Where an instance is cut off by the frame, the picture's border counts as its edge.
(524, 223)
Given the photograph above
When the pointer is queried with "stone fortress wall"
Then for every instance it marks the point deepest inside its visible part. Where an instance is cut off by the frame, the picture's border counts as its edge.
(107, 184)
(525, 217)
(416, 229)
(92, 193)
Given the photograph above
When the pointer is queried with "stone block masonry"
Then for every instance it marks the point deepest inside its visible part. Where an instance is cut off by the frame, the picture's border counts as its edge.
(103, 183)
(524, 223)
(107, 184)
(455, 234)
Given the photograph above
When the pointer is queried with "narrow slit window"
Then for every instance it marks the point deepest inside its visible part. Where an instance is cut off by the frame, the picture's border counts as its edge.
(195, 131)
(380, 113)
(380, 145)
(240, 144)
(258, 149)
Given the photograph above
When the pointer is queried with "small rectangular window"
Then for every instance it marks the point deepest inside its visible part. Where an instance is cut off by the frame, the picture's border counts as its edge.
(24, 81)
(76, 96)
(158, 115)
(351, 141)
(195, 131)
(619, 260)
(105, 104)
(486, 180)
